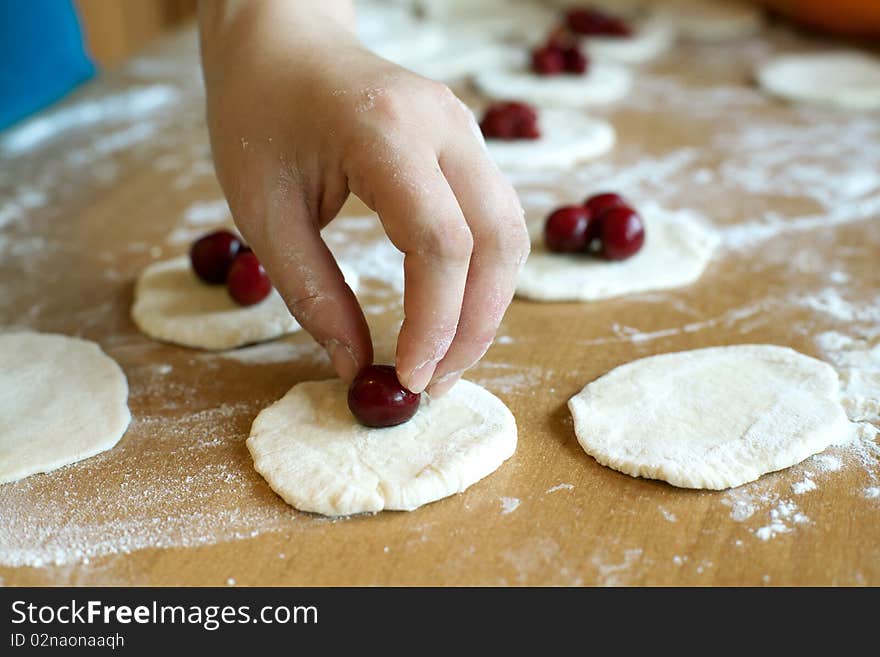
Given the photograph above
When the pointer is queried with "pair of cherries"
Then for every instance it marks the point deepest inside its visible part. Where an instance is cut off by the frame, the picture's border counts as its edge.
(375, 397)
(562, 53)
(222, 258)
(606, 220)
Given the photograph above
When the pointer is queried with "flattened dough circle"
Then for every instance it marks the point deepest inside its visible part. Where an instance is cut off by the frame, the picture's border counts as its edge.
(317, 457)
(567, 137)
(605, 83)
(172, 305)
(62, 400)
(711, 418)
(838, 79)
(677, 250)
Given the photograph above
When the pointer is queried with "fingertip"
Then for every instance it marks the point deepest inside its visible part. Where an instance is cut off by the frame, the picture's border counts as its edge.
(417, 379)
(343, 358)
(444, 384)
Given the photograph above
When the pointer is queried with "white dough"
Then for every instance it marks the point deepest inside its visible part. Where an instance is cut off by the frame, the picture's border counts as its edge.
(676, 251)
(650, 38)
(623, 8)
(417, 43)
(711, 418)
(172, 305)
(62, 400)
(316, 456)
(466, 55)
(377, 22)
(567, 137)
(841, 79)
(712, 21)
(603, 83)
(491, 19)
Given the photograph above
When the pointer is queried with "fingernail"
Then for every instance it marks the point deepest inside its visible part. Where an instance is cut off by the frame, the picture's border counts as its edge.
(420, 376)
(444, 384)
(343, 359)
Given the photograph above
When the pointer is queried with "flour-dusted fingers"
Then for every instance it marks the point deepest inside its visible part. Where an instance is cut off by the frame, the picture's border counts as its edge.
(501, 245)
(423, 219)
(306, 275)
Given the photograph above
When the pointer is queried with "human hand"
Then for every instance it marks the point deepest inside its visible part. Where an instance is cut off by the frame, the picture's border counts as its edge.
(299, 115)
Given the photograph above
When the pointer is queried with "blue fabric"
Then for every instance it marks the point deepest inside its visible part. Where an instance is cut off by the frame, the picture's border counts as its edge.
(42, 56)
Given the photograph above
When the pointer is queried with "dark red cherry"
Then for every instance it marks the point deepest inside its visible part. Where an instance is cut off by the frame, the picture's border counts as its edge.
(575, 61)
(548, 60)
(211, 256)
(599, 203)
(377, 399)
(591, 22)
(510, 120)
(247, 282)
(568, 229)
(621, 232)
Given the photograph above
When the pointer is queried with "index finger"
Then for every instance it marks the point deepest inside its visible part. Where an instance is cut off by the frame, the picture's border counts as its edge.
(423, 219)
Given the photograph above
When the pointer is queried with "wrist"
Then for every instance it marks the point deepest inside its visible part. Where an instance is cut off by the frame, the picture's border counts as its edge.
(224, 24)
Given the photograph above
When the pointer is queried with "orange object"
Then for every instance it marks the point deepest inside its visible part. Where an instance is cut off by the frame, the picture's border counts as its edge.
(854, 18)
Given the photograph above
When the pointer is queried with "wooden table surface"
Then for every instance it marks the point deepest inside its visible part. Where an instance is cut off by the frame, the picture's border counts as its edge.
(119, 176)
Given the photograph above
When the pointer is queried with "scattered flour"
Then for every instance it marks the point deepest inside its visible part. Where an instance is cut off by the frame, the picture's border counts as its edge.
(559, 487)
(207, 212)
(509, 504)
(803, 486)
(831, 302)
(782, 519)
(189, 485)
(505, 378)
(828, 462)
(668, 515)
(616, 573)
(304, 350)
(128, 106)
(872, 492)
(857, 360)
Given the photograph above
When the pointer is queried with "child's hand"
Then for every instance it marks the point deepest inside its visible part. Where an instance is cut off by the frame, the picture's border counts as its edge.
(299, 114)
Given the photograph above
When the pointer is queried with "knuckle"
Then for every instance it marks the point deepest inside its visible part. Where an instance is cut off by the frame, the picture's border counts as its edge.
(447, 240)
(387, 106)
(441, 93)
(507, 239)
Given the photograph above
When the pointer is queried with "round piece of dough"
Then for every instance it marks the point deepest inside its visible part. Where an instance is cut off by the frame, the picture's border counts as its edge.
(567, 137)
(711, 418)
(676, 251)
(651, 38)
(414, 45)
(623, 8)
(62, 400)
(316, 456)
(377, 22)
(171, 304)
(491, 19)
(465, 56)
(603, 83)
(839, 79)
(712, 21)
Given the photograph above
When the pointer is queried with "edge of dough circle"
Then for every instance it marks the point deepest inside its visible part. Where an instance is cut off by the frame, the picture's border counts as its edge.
(316, 456)
(62, 400)
(172, 305)
(711, 418)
